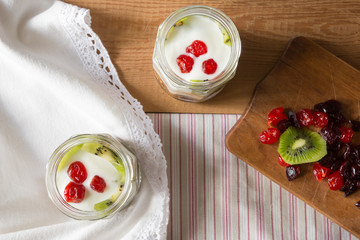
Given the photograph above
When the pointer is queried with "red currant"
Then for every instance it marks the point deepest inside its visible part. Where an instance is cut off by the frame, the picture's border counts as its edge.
(320, 119)
(305, 117)
(209, 66)
(282, 162)
(346, 134)
(74, 192)
(320, 172)
(335, 181)
(270, 136)
(275, 116)
(197, 48)
(98, 184)
(185, 63)
(77, 172)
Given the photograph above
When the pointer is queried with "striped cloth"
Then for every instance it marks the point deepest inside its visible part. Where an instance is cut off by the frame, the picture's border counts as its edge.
(214, 195)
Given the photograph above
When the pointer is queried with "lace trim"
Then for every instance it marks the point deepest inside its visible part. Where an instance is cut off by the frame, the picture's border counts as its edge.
(147, 144)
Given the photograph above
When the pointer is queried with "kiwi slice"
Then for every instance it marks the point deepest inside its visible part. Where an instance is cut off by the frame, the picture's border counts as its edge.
(226, 36)
(106, 153)
(177, 24)
(299, 146)
(65, 159)
(106, 203)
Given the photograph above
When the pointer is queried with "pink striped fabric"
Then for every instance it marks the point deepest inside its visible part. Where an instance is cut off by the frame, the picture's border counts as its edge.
(214, 195)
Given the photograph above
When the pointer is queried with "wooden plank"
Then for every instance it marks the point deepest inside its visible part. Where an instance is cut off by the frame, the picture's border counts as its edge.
(128, 30)
(305, 75)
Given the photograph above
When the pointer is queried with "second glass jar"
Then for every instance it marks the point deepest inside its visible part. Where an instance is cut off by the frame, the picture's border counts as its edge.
(195, 90)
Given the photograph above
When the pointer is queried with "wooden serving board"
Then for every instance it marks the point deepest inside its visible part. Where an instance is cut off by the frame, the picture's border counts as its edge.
(306, 74)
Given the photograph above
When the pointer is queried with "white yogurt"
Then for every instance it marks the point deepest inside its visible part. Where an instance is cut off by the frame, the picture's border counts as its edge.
(197, 28)
(94, 165)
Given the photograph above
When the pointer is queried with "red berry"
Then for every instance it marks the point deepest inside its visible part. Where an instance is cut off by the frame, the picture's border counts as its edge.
(197, 48)
(275, 116)
(77, 172)
(282, 162)
(209, 66)
(305, 117)
(346, 134)
(270, 136)
(320, 172)
(185, 63)
(98, 184)
(74, 192)
(335, 181)
(320, 119)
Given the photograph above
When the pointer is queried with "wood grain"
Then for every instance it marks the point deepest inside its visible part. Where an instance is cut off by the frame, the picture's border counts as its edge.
(128, 29)
(306, 74)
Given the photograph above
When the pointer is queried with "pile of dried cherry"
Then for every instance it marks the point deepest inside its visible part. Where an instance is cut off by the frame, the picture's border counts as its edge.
(341, 165)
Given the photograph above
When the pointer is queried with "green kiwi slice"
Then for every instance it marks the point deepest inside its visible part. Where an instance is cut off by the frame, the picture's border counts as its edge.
(66, 158)
(299, 146)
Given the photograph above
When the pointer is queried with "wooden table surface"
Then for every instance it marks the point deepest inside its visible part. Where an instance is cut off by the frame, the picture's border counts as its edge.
(128, 29)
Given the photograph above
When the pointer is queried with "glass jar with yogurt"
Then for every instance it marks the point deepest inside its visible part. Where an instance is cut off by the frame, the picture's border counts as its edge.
(196, 53)
(92, 176)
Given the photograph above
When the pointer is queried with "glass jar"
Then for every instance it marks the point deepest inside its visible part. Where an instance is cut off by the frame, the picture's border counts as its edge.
(129, 188)
(195, 90)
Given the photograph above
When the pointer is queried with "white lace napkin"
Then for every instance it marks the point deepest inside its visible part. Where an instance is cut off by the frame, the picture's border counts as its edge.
(56, 81)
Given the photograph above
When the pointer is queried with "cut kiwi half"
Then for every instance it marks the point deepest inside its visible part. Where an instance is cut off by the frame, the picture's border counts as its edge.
(299, 146)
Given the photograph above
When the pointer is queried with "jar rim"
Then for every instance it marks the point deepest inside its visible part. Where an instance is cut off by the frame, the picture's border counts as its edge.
(51, 171)
(215, 15)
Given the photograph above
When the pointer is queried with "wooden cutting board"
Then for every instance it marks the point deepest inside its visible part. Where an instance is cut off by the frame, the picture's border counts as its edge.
(306, 74)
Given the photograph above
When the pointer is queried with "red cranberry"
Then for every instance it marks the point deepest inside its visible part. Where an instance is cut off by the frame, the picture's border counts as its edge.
(292, 172)
(77, 172)
(346, 134)
(209, 66)
(185, 63)
(197, 48)
(270, 136)
(282, 162)
(98, 184)
(275, 116)
(357, 204)
(335, 181)
(320, 172)
(320, 119)
(305, 117)
(74, 192)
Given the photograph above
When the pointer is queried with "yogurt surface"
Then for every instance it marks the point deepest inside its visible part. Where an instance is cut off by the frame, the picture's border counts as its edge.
(95, 165)
(201, 28)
